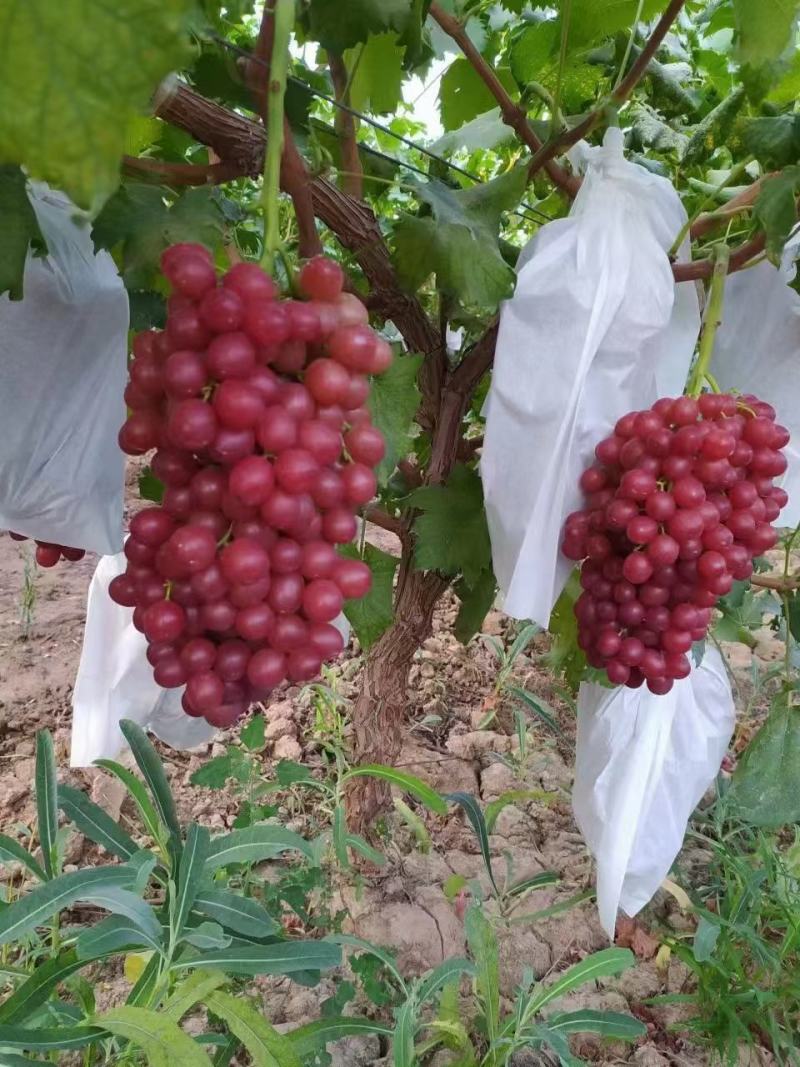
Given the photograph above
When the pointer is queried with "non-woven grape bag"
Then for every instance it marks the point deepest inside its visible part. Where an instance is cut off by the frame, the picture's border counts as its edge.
(115, 681)
(643, 763)
(63, 351)
(596, 328)
(757, 350)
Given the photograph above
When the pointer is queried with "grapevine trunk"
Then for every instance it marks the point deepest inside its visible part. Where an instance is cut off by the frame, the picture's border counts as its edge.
(379, 714)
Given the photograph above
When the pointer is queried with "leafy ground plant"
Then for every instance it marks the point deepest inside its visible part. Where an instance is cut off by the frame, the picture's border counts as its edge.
(430, 1015)
(170, 910)
(745, 952)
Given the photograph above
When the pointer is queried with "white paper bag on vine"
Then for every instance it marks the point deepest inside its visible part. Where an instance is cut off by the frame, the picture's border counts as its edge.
(596, 328)
(643, 763)
(63, 360)
(115, 681)
(757, 350)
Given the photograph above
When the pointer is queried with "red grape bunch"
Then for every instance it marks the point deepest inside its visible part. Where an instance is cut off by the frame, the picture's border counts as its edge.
(256, 407)
(677, 506)
(49, 554)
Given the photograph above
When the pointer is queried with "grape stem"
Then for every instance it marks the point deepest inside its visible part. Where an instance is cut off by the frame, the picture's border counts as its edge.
(270, 188)
(711, 319)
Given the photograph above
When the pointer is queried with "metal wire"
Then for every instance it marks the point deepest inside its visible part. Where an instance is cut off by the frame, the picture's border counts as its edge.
(243, 52)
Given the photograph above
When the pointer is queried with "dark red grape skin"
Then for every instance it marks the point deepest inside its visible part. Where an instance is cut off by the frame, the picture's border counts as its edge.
(691, 481)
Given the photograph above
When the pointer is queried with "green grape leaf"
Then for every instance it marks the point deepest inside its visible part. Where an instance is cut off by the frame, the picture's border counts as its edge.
(372, 614)
(764, 784)
(593, 20)
(463, 95)
(787, 88)
(590, 21)
(773, 140)
(393, 401)
(487, 131)
(137, 225)
(458, 241)
(451, 534)
(18, 230)
(339, 26)
(74, 76)
(476, 601)
(533, 50)
(775, 209)
(378, 66)
(763, 28)
(148, 310)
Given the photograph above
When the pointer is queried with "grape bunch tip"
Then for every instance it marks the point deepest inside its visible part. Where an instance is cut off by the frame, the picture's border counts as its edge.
(48, 554)
(679, 502)
(256, 409)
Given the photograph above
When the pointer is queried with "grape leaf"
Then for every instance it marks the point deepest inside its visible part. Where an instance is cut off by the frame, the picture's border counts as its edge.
(378, 66)
(476, 600)
(137, 225)
(775, 209)
(763, 28)
(533, 49)
(393, 402)
(774, 140)
(764, 784)
(590, 21)
(787, 88)
(458, 242)
(463, 96)
(74, 75)
(148, 309)
(371, 615)
(18, 229)
(451, 534)
(338, 26)
(487, 131)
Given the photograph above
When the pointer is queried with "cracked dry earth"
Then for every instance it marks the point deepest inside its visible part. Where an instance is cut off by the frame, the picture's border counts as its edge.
(404, 905)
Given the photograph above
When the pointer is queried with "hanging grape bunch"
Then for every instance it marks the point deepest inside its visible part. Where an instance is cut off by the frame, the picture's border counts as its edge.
(47, 554)
(256, 408)
(677, 506)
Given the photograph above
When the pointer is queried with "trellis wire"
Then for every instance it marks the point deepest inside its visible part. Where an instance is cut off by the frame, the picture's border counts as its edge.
(243, 52)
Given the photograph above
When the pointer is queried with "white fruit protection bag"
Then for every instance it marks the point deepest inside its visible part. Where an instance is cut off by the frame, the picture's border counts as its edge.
(115, 681)
(596, 328)
(63, 356)
(757, 350)
(643, 764)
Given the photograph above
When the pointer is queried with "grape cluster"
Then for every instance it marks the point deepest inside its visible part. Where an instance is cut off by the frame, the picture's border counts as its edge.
(256, 408)
(49, 554)
(677, 506)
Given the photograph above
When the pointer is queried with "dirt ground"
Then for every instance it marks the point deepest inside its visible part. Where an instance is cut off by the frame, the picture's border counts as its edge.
(405, 906)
